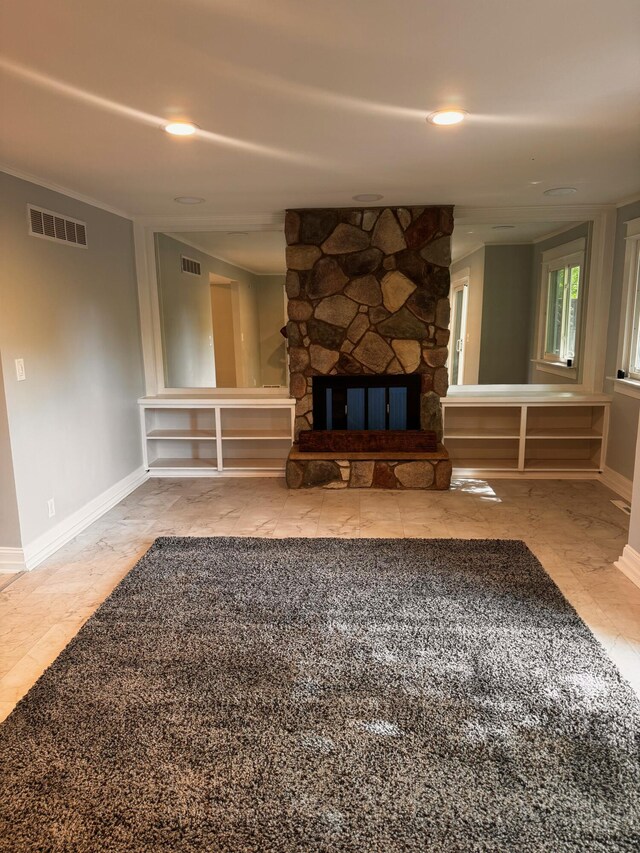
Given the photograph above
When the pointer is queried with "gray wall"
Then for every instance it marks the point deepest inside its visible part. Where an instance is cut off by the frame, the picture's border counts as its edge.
(72, 314)
(506, 315)
(9, 521)
(582, 230)
(623, 427)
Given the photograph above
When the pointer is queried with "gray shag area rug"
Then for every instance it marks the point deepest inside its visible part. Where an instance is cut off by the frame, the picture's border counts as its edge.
(258, 695)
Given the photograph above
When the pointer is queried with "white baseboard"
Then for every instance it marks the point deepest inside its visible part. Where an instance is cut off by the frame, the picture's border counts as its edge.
(11, 560)
(617, 483)
(42, 547)
(629, 564)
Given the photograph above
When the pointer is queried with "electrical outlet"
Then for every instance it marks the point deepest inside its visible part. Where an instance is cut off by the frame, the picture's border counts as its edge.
(51, 506)
(20, 373)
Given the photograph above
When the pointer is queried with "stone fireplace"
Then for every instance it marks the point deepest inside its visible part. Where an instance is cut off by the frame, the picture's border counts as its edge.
(367, 296)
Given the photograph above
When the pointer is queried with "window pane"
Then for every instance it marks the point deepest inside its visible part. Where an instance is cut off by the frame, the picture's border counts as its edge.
(555, 306)
(571, 325)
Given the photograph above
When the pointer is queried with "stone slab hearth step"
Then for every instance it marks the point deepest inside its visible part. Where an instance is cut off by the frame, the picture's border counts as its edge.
(367, 440)
(369, 469)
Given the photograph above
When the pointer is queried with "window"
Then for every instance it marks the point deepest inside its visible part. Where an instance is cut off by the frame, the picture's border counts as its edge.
(562, 313)
(631, 332)
(561, 295)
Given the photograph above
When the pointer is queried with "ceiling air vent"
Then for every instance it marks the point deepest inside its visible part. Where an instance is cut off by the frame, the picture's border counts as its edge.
(189, 265)
(54, 226)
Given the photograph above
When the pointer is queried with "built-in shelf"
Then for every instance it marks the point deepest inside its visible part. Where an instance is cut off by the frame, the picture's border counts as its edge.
(217, 435)
(586, 432)
(182, 434)
(481, 432)
(264, 464)
(545, 434)
(485, 463)
(246, 434)
(561, 465)
(183, 462)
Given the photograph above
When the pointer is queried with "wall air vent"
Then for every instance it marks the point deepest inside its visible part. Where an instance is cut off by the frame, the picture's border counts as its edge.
(55, 226)
(189, 265)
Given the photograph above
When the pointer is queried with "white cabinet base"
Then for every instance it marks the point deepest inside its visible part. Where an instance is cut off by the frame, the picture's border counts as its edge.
(216, 436)
(534, 436)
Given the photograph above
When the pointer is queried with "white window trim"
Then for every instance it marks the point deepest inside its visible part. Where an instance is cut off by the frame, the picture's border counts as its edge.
(558, 367)
(554, 259)
(627, 306)
(628, 387)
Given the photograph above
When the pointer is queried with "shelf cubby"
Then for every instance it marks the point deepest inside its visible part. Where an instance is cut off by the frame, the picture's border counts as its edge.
(244, 423)
(240, 454)
(182, 463)
(490, 422)
(562, 454)
(486, 453)
(565, 421)
(179, 423)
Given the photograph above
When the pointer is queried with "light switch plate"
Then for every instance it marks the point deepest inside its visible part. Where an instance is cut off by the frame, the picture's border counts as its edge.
(20, 373)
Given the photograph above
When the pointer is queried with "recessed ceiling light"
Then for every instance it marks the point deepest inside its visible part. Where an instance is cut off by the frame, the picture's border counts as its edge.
(502, 227)
(443, 117)
(181, 128)
(368, 197)
(237, 234)
(561, 191)
(188, 199)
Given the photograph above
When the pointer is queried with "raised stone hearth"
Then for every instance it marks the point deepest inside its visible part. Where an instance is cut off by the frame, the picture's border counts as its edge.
(369, 470)
(368, 294)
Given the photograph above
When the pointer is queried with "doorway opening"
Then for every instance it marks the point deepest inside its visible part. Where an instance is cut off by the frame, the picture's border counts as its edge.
(459, 298)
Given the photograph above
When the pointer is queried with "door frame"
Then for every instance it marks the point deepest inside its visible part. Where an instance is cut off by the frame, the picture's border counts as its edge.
(461, 282)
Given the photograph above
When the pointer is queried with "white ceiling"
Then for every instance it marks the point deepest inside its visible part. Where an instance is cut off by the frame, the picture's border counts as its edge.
(467, 237)
(261, 252)
(306, 104)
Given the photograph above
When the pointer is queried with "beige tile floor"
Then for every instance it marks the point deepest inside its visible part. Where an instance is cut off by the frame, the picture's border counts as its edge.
(570, 525)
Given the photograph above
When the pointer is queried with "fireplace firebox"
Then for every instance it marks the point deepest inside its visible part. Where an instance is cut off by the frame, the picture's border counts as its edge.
(366, 402)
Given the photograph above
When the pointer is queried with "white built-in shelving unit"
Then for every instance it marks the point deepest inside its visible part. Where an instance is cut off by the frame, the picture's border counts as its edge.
(561, 434)
(219, 435)
(555, 434)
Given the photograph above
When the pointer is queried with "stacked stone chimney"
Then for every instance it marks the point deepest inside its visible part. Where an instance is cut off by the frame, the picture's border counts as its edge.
(368, 293)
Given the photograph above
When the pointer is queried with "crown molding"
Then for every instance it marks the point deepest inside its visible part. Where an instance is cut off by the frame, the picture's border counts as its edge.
(57, 188)
(539, 213)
